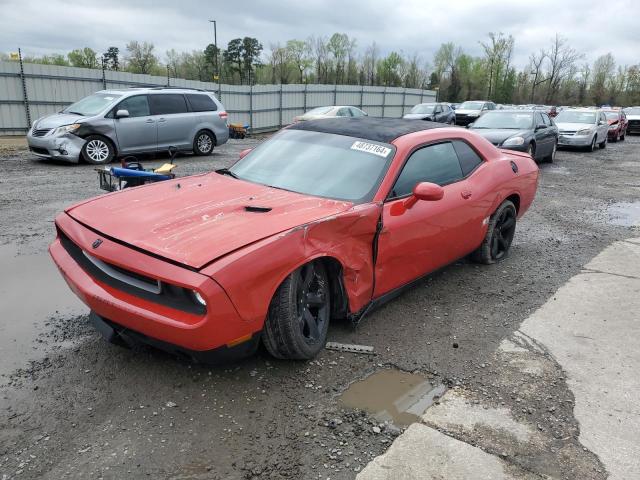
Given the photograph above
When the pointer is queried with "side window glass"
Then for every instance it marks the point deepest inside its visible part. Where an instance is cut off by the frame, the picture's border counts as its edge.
(540, 120)
(137, 106)
(201, 102)
(355, 112)
(546, 119)
(435, 163)
(166, 104)
(467, 156)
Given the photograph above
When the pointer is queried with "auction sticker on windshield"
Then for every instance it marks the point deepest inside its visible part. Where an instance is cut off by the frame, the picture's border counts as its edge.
(371, 148)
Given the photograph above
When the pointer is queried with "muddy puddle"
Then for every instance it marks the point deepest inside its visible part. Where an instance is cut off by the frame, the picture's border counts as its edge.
(393, 396)
(31, 291)
(626, 214)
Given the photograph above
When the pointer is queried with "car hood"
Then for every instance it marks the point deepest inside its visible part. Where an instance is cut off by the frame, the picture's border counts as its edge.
(499, 135)
(195, 220)
(417, 116)
(633, 117)
(574, 126)
(468, 112)
(57, 120)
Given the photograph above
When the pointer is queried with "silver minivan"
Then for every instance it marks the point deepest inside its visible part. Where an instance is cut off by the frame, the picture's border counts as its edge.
(114, 123)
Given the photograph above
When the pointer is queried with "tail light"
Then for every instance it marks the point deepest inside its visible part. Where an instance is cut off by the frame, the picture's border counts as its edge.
(223, 115)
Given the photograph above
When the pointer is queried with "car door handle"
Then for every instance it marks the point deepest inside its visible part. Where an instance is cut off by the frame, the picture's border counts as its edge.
(161, 120)
(150, 120)
(465, 194)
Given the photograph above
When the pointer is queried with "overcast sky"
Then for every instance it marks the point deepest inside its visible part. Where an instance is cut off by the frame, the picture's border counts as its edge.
(594, 27)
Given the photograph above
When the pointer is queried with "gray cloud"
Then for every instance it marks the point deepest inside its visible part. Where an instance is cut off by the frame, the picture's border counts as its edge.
(593, 27)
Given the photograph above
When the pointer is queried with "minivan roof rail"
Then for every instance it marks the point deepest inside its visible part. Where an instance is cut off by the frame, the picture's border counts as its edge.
(168, 88)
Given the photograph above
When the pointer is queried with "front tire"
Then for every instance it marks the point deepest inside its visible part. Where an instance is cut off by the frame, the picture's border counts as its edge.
(552, 155)
(98, 150)
(603, 144)
(298, 318)
(500, 232)
(203, 143)
(592, 147)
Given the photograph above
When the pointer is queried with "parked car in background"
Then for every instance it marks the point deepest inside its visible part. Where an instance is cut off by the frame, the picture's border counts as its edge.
(113, 123)
(330, 111)
(454, 106)
(434, 112)
(468, 112)
(582, 127)
(530, 131)
(288, 251)
(617, 120)
(633, 119)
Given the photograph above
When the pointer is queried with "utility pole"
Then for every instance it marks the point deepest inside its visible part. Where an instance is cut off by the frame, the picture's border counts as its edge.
(216, 71)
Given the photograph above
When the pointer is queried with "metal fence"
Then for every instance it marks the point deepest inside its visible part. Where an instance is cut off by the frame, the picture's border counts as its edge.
(29, 91)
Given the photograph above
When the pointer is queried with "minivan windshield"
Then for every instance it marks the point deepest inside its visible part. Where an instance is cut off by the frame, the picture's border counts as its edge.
(92, 105)
(319, 164)
(574, 116)
(471, 106)
(505, 120)
(423, 108)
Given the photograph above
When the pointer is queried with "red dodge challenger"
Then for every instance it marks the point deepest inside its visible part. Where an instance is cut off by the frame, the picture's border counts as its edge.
(327, 219)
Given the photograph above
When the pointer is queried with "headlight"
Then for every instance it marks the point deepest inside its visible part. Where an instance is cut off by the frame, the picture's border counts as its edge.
(198, 298)
(66, 129)
(613, 126)
(584, 131)
(514, 141)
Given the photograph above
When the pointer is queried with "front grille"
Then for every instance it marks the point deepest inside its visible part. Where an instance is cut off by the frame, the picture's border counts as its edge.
(634, 123)
(40, 132)
(41, 151)
(567, 132)
(131, 282)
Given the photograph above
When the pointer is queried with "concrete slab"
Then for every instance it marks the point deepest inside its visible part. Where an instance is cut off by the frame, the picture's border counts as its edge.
(422, 453)
(591, 327)
(456, 414)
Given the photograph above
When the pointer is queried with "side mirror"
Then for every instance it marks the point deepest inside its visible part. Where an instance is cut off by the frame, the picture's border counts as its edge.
(602, 122)
(540, 127)
(243, 153)
(122, 114)
(426, 191)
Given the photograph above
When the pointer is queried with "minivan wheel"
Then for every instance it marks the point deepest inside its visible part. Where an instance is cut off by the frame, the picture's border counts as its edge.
(203, 143)
(98, 150)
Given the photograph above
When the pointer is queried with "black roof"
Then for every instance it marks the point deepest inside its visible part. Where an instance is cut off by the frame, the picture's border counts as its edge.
(370, 128)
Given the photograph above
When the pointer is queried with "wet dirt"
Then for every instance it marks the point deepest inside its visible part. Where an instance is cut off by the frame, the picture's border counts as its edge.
(626, 214)
(94, 410)
(32, 290)
(393, 396)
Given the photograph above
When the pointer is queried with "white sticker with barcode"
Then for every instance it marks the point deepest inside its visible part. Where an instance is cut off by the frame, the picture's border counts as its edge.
(371, 148)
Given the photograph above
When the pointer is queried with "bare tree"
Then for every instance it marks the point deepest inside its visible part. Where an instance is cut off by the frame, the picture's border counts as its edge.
(561, 59)
(536, 60)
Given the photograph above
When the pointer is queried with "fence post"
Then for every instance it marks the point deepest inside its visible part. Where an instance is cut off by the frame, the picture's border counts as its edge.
(251, 107)
(384, 99)
(168, 82)
(335, 93)
(304, 105)
(404, 101)
(24, 90)
(280, 105)
(361, 95)
(104, 79)
(421, 95)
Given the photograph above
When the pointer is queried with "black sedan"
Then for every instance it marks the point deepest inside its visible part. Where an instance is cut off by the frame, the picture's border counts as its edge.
(433, 112)
(529, 131)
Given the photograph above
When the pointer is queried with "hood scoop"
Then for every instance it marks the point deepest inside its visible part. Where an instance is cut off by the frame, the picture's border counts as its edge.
(257, 209)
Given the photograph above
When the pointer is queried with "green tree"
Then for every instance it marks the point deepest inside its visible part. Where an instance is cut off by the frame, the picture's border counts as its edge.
(83, 57)
(112, 58)
(298, 52)
(140, 57)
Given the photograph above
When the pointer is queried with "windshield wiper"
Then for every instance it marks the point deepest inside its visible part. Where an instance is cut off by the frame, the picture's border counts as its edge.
(226, 171)
(75, 113)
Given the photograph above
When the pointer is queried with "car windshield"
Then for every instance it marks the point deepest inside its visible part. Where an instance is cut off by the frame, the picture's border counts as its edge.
(423, 108)
(612, 115)
(92, 105)
(319, 111)
(319, 164)
(573, 116)
(510, 120)
(471, 106)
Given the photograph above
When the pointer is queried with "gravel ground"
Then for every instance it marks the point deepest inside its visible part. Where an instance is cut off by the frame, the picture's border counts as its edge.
(87, 409)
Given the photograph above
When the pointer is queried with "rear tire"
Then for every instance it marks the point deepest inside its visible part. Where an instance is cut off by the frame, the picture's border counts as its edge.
(203, 143)
(298, 319)
(552, 155)
(500, 232)
(97, 150)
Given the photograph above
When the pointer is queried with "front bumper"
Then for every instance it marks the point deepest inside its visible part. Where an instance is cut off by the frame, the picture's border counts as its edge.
(574, 141)
(135, 313)
(633, 126)
(66, 147)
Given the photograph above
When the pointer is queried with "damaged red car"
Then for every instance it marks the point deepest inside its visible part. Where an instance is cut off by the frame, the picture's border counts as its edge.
(325, 220)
